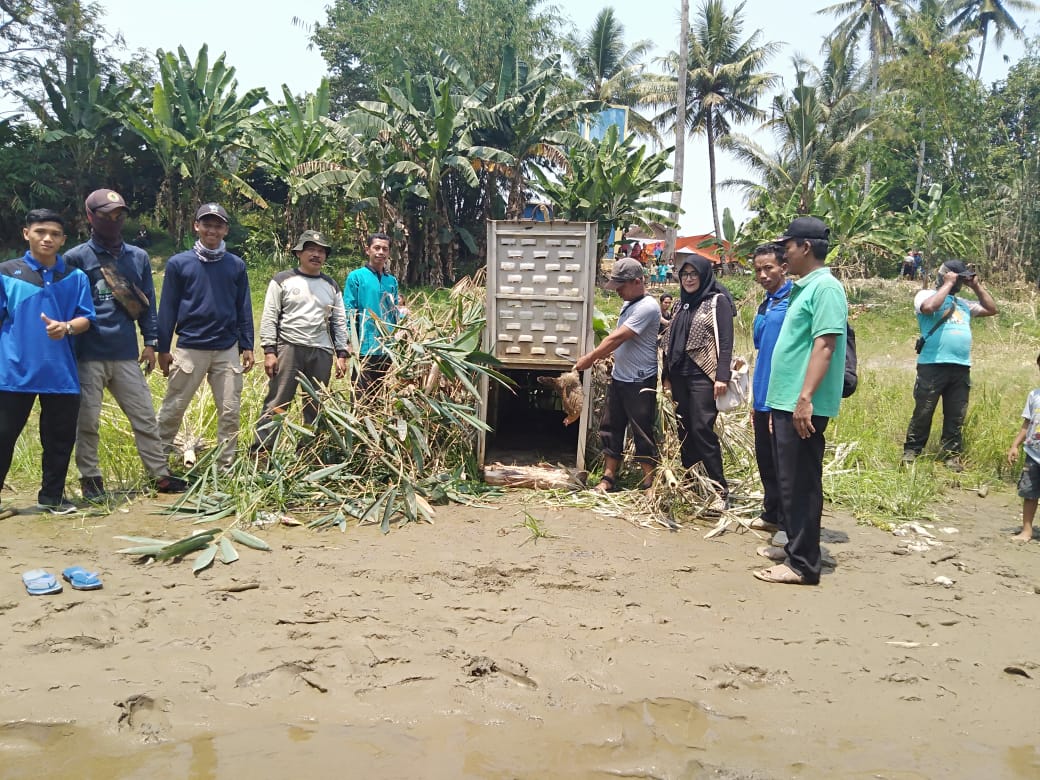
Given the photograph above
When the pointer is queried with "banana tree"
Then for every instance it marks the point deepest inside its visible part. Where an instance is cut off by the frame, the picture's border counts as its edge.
(616, 184)
(76, 114)
(192, 123)
(291, 143)
(431, 127)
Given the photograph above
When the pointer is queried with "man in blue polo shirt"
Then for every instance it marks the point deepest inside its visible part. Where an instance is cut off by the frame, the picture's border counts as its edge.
(805, 385)
(771, 274)
(43, 304)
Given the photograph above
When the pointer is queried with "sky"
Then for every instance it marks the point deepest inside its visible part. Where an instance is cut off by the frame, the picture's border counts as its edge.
(268, 49)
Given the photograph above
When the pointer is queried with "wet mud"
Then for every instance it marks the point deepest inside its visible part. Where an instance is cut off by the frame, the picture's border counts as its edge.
(468, 650)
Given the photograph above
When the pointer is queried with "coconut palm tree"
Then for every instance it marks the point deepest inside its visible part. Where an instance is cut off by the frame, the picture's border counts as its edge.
(606, 69)
(724, 81)
(875, 17)
(814, 129)
(978, 15)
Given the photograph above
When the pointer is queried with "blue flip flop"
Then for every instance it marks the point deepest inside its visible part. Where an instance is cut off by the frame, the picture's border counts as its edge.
(81, 579)
(41, 583)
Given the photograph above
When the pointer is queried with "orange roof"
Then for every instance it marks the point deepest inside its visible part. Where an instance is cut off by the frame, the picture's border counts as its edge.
(691, 244)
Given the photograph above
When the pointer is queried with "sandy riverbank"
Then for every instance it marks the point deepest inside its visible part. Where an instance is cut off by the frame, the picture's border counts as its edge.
(460, 650)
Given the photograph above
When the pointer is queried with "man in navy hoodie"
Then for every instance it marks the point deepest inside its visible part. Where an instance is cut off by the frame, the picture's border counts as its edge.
(120, 277)
(205, 301)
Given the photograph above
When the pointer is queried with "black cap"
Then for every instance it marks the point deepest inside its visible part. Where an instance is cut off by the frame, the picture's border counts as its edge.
(806, 227)
(211, 210)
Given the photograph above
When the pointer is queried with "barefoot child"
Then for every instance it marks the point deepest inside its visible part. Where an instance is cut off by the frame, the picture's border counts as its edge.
(1029, 483)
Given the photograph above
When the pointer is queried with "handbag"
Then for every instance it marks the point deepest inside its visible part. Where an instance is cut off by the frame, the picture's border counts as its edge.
(919, 344)
(737, 389)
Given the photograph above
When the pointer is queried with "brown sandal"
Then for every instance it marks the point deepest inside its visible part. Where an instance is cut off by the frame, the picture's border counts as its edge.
(781, 574)
(609, 481)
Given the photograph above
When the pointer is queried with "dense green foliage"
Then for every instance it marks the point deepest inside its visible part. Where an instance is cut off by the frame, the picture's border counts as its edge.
(437, 116)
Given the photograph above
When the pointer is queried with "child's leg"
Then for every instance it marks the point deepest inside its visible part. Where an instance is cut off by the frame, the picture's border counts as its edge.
(1028, 513)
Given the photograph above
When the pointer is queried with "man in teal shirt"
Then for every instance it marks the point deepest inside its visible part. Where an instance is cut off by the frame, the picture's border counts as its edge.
(944, 362)
(805, 384)
(370, 295)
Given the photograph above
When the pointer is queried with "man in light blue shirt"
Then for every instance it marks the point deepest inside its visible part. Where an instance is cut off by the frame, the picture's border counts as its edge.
(944, 360)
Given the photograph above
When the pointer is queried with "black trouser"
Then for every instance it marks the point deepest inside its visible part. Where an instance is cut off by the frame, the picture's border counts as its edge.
(630, 405)
(58, 414)
(951, 383)
(694, 396)
(315, 364)
(373, 369)
(799, 472)
(765, 455)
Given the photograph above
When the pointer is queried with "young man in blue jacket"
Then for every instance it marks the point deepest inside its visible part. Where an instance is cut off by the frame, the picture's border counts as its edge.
(121, 284)
(205, 301)
(371, 294)
(43, 304)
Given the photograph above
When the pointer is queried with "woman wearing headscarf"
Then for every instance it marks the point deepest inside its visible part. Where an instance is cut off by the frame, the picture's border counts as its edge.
(697, 367)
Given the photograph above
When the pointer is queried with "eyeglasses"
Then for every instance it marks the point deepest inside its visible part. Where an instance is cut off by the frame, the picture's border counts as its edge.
(690, 275)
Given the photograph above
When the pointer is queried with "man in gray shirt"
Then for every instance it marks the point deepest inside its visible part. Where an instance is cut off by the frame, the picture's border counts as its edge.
(302, 325)
(632, 393)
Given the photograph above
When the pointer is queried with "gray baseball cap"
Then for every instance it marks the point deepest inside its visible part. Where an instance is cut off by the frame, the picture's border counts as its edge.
(624, 270)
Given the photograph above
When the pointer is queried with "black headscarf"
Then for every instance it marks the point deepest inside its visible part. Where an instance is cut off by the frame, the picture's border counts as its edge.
(688, 303)
(708, 289)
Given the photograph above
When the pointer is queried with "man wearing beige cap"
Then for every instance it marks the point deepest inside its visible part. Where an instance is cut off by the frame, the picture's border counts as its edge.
(632, 393)
(107, 355)
(302, 325)
(205, 301)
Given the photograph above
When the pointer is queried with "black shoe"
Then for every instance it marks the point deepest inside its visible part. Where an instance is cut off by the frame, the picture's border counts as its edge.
(92, 488)
(56, 506)
(169, 484)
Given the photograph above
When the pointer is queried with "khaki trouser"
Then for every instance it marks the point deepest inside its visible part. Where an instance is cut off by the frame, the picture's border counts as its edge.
(223, 370)
(126, 383)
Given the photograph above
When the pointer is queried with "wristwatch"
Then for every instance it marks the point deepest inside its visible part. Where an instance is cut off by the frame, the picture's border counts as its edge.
(68, 329)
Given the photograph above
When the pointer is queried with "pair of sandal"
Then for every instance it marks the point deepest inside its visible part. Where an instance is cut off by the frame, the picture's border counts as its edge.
(40, 582)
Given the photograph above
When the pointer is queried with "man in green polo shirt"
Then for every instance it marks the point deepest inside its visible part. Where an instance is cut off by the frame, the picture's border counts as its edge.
(804, 393)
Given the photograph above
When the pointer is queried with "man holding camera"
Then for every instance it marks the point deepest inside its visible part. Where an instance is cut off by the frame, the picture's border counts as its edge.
(944, 362)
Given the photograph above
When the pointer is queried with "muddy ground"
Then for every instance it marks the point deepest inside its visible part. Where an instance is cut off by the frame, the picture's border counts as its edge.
(469, 650)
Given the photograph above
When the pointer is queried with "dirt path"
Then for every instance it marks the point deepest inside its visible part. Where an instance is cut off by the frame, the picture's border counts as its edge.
(459, 650)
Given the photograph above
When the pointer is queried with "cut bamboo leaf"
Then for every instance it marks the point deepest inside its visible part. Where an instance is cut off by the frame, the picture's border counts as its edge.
(228, 553)
(425, 507)
(143, 540)
(388, 510)
(328, 471)
(373, 508)
(204, 560)
(183, 547)
(152, 549)
(249, 540)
